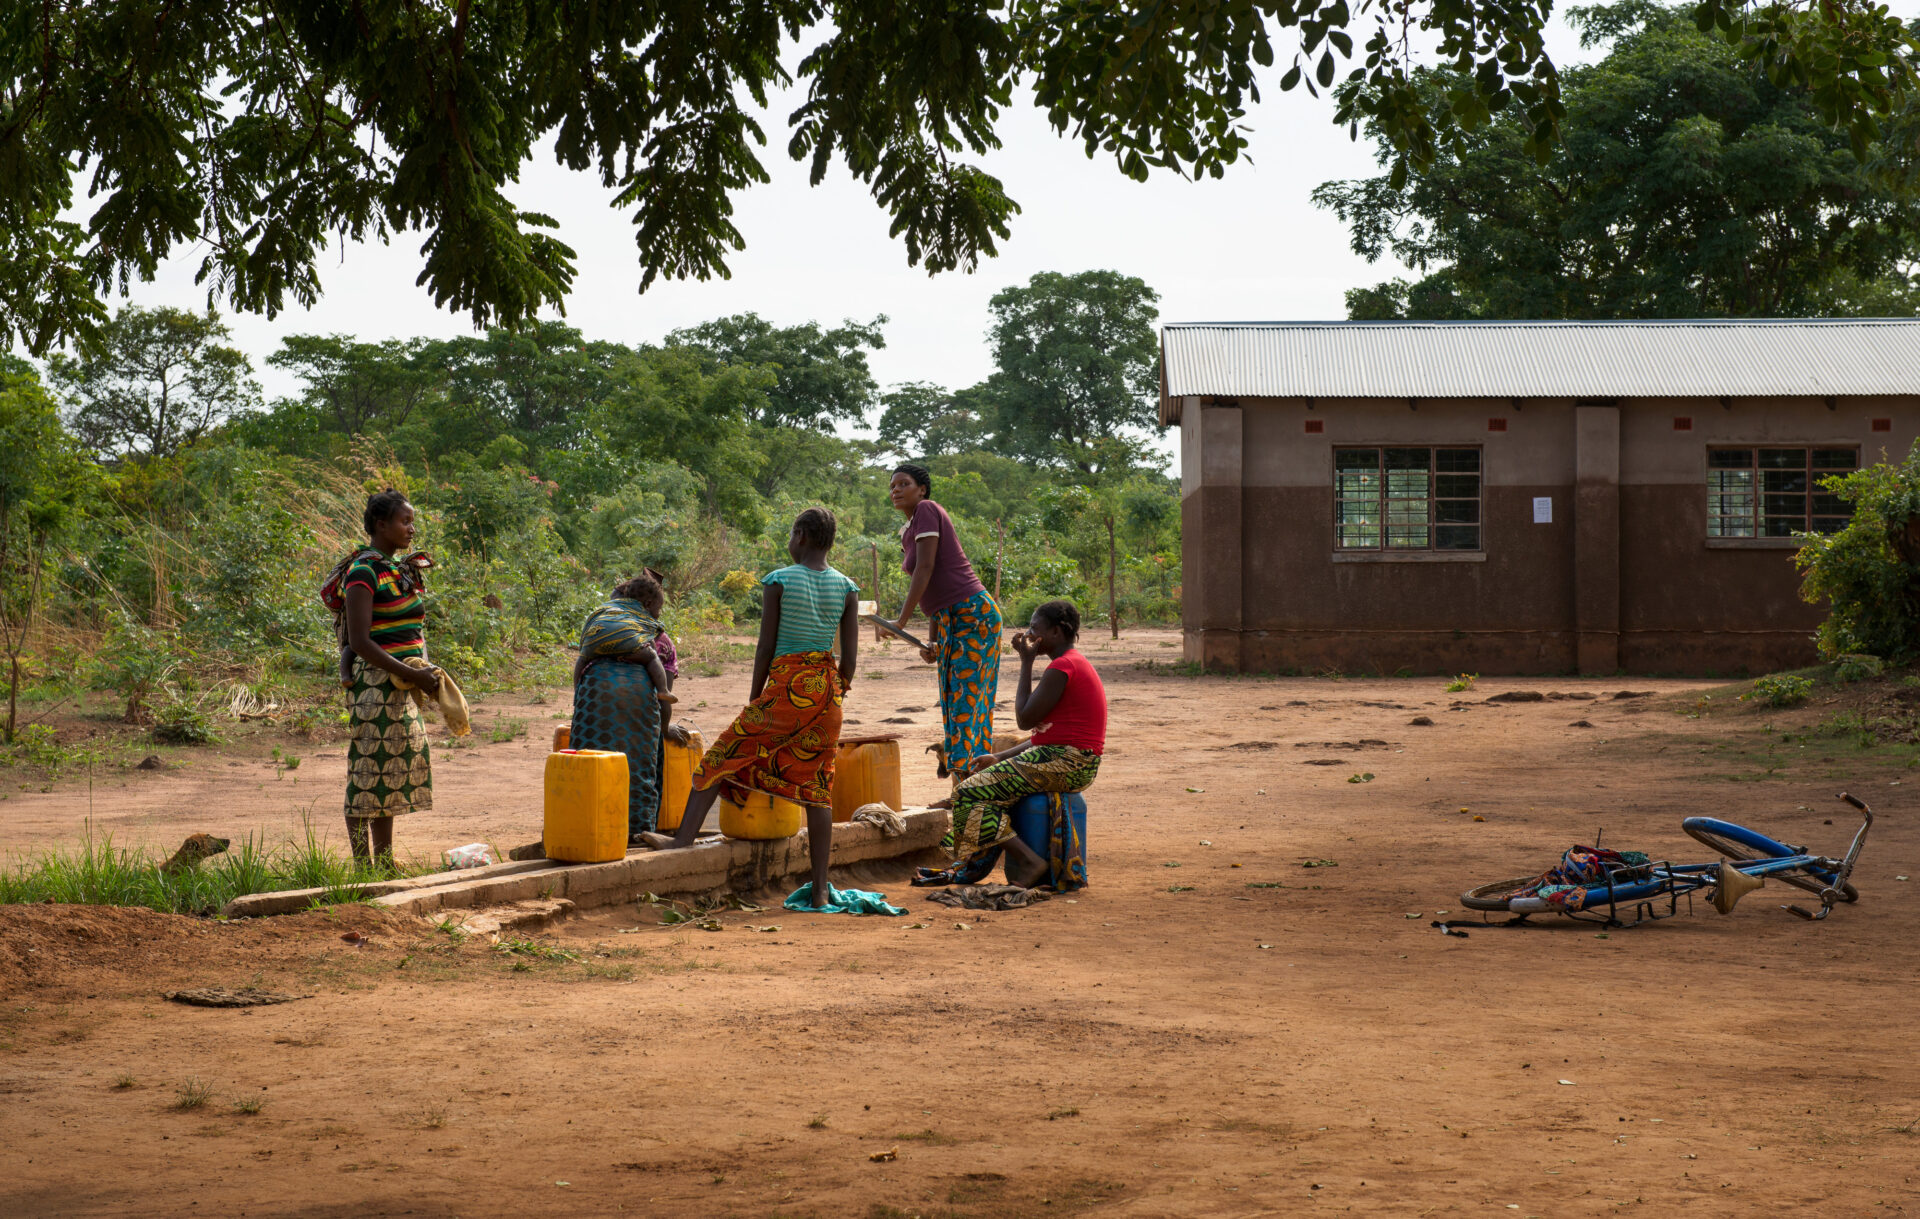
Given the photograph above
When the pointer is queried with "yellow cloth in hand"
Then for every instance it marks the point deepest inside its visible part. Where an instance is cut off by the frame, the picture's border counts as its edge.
(453, 704)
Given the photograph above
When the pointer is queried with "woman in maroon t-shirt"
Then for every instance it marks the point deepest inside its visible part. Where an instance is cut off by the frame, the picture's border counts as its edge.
(1067, 711)
(966, 622)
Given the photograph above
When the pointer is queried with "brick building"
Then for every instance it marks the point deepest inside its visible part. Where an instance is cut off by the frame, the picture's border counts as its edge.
(1519, 497)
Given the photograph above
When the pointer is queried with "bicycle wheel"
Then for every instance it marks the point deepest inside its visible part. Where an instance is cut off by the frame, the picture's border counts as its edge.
(1737, 842)
(1493, 896)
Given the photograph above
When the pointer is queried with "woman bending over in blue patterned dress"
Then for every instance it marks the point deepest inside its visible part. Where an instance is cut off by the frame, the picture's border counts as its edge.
(621, 692)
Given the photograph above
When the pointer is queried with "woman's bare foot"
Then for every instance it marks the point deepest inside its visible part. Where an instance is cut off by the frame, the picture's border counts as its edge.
(663, 696)
(659, 842)
(1025, 868)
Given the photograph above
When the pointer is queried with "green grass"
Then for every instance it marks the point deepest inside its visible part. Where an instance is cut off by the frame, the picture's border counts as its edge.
(506, 730)
(522, 947)
(94, 872)
(1172, 668)
(192, 1095)
(715, 648)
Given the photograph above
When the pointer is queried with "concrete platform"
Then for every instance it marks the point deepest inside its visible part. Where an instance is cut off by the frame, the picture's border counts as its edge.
(726, 864)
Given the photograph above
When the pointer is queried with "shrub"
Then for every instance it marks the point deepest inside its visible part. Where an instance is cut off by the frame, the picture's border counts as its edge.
(1866, 571)
(1854, 667)
(134, 660)
(1462, 683)
(1781, 690)
(183, 720)
(37, 745)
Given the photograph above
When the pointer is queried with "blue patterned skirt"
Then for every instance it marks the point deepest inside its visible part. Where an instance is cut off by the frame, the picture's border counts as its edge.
(614, 708)
(966, 643)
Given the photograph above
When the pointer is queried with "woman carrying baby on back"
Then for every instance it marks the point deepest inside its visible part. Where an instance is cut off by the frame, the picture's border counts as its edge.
(622, 691)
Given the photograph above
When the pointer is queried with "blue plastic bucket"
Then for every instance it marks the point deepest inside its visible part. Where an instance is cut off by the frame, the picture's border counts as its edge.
(1030, 823)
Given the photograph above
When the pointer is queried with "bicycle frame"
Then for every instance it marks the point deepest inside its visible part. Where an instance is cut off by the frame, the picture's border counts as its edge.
(1640, 886)
(1651, 881)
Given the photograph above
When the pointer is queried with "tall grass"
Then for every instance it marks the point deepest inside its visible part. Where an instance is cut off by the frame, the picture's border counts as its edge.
(94, 872)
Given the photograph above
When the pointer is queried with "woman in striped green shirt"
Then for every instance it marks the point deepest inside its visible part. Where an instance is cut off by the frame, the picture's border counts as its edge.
(782, 743)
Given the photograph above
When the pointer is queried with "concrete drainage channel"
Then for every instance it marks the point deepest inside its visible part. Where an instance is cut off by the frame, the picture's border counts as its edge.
(534, 892)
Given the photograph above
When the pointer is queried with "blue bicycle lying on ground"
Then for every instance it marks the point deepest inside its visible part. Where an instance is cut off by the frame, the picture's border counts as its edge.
(1600, 885)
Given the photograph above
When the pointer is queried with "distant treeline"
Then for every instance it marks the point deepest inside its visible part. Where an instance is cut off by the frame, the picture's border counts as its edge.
(148, 493)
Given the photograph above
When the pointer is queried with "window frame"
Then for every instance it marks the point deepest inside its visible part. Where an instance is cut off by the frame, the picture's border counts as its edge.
(1756, 492)
(1383, 520)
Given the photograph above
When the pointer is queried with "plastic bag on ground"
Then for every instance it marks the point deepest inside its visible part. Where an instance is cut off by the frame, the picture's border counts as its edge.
(473, 855)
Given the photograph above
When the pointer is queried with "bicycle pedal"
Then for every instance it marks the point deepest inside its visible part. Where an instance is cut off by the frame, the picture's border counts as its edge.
(1805, 914)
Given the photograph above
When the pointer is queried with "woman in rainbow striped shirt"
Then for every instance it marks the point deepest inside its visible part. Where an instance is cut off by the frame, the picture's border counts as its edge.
(389, 771)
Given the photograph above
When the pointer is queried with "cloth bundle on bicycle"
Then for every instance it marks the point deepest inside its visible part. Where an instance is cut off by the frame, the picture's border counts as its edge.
(1581, 868)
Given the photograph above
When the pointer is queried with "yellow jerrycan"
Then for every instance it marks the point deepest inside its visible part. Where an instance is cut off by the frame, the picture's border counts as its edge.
(761, 817)
(865, 771)
(586, 818)
(676, 779)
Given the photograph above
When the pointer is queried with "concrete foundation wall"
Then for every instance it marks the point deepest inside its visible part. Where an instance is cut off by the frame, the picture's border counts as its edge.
(1622, 577)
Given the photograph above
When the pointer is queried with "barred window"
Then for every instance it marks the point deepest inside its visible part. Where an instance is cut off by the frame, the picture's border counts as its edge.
(1775, 492)
(1406, 499)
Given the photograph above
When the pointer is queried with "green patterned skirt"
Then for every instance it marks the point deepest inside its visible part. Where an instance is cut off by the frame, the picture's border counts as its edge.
(388, 769)
(983, 803)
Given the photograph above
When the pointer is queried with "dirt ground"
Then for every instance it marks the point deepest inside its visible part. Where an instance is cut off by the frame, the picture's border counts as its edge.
(1212, 1028)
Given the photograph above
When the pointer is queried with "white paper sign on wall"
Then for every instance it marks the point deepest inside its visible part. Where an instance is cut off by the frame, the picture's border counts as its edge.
(1543, 509)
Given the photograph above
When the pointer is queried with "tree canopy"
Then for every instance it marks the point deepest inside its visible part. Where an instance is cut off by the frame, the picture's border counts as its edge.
(820, 375)
(1079, 370)
(41, 476)
(1076, 381)
(159, 380)
(358, 387)
(924, 419)
(819, 378)
(1687, 185)
(259, 132)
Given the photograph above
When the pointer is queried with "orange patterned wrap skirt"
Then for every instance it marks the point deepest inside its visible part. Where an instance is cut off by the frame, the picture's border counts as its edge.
(783, 742)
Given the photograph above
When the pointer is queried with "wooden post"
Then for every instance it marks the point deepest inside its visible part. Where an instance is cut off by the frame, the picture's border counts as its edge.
(879, 636)
(1113, 579)
(999, 558)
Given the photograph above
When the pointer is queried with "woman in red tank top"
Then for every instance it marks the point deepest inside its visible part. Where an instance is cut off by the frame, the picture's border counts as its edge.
(1067, 711)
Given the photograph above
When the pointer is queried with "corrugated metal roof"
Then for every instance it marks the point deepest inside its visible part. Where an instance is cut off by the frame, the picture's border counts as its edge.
(1682, 359)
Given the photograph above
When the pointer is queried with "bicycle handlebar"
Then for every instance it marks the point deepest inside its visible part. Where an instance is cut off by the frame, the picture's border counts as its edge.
(1831, 893)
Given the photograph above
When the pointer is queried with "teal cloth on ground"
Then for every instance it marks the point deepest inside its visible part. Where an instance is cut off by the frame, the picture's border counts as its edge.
(845, 901)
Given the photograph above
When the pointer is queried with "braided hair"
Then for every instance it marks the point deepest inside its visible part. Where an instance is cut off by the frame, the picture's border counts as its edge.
(1062, 614)
(818, 527)
(919, 474)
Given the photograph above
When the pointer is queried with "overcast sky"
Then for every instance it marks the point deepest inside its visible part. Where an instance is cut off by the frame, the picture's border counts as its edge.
(1248, 247)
